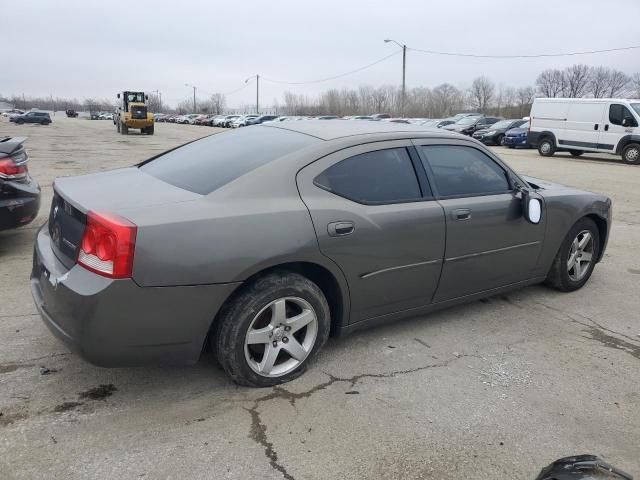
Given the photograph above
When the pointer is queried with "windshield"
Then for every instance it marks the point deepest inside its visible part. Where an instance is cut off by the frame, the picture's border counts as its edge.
(467, 121)
(524, 125)
(135, 97)
(636, 107)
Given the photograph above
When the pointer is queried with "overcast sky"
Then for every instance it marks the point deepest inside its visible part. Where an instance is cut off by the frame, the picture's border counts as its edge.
(76, 48)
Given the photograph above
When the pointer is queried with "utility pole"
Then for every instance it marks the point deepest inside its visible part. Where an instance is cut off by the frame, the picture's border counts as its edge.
(194, 95)
(257, 91)
(404, 71)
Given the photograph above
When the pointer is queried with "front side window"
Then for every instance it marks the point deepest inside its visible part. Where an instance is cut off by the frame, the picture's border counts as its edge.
(618, 113)
(464, 171)
(383, 176)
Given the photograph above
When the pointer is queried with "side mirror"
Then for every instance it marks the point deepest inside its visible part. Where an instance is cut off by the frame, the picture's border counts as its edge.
(146, 97)
(118, 96)
(531, 207)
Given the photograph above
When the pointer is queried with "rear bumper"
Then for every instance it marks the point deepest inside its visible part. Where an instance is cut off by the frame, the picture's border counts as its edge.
(116, 323)
(19, 203)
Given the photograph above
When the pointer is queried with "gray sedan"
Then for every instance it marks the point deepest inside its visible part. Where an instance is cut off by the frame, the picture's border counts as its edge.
(264, 241)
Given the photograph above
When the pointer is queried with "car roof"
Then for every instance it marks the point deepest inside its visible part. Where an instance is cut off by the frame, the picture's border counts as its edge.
(333, 129)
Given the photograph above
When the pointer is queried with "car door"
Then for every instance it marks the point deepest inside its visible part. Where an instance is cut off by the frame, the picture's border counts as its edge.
(30, 117)
(378, 223)
(583, 127)
(489, 242)
(613, 129)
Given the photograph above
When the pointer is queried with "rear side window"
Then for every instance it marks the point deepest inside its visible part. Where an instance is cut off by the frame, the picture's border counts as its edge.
(464, 171)
(383, 176)
(209, 163)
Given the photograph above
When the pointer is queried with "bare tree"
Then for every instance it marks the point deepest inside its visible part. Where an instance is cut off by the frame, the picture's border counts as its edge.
(481, 93)
(218, 103)
(599, 81)
(635, 85)
(446, 100)
(550, 83)
(576, 80)
(153, 104)
(524, 99)
(618, 83)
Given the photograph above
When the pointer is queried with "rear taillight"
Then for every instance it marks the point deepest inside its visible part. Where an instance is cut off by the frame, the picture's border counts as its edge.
(14, 167)
(107, 245)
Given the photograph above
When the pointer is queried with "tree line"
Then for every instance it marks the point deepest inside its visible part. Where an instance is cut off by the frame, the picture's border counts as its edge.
(482, 96)
(444, 100)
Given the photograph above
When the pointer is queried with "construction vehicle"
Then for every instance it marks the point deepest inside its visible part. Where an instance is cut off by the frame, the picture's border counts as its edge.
(131, 112)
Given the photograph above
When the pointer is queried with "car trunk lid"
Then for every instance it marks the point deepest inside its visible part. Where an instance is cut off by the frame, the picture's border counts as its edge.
(116, 192)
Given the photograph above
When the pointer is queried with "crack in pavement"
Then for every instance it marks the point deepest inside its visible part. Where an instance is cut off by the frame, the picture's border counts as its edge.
(600, 333)
(258, 432)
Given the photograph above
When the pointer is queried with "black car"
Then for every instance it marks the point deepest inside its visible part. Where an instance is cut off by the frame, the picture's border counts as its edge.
(42, 118)
(494, 135)
(19, 193)
(470, 124)
(261, 119)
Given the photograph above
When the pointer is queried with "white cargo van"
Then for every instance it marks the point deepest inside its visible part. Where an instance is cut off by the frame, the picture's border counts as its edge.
(578, 125)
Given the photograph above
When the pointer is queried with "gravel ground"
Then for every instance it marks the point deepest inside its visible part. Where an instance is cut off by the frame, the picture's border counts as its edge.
(494, 389)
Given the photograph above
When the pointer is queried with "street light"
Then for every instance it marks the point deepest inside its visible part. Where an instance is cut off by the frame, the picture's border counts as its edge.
(257, 90)
(194, 95)
(404, 68)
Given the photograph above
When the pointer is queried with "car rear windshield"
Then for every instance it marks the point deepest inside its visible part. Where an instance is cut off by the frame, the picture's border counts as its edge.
(211, 162)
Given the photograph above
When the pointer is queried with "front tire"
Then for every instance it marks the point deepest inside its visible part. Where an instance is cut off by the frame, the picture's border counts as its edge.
(631, 154)
(546, 148)
(268, 332)
(576, 258)
(500, 140)
(124, 130)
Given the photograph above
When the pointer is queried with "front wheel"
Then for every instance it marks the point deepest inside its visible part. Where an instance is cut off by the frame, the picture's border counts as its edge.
(546, 148)
(124, 130)
(500, 140)
(576, 259)
(631, 154)
(267, 334)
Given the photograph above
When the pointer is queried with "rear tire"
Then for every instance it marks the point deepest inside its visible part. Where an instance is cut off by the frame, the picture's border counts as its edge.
(546, 148)
(560, 275)
(500, 140)
(255, 309)
(576, 153)
(150, 130)
(631, 154)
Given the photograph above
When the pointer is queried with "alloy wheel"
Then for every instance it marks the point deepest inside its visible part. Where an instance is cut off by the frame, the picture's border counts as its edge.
(580, 255)
(281, 336)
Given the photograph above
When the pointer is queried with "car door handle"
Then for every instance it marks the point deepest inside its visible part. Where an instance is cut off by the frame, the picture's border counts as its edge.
(606, 127)
(461, 214)
(595, 127)
(340, 229)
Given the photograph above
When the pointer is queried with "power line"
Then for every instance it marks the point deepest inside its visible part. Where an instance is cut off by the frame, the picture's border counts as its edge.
(335, 76)
(539, 55)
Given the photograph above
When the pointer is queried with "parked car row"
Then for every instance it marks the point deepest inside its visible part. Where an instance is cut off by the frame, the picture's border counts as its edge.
(489, 130)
